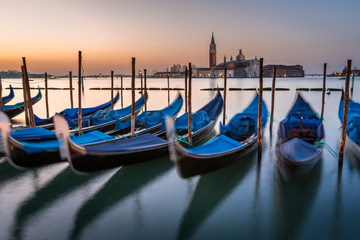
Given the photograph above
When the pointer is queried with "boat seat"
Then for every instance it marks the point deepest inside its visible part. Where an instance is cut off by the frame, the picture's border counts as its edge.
(307, 134)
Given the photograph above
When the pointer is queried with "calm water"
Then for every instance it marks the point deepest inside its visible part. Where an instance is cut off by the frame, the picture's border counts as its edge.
(248, 200)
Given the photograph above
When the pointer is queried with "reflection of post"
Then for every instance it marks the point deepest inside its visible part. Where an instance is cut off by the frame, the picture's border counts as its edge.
(345, 114)
(139, 221)
(256, 214)
(260, 108)
(272, 99)
(337, 204)
(189, 107)
(35, 176)
(323, 92)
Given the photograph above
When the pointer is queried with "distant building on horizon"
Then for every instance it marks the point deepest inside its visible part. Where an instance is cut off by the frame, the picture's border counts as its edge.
(239, 68)
(284, 71)
(177, 71)
(242, 68)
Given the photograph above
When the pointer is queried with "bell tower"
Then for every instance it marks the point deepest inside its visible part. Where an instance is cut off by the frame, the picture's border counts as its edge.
(212, 52)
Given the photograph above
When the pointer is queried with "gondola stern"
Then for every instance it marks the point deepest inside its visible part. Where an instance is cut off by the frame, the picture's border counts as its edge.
(66, 145)
(171, 137)
(4, 139)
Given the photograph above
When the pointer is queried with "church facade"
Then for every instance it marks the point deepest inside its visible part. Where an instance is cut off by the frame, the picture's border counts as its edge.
(238, 67)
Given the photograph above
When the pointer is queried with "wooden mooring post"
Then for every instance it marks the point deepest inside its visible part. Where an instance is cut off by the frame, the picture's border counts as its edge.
(345, 114)
(122, 92)
(186, 86)
(24, 94)
(323, 92)
(168, 88)
(28, 95)
(79, 93)
(189, 108)
(133, 98)
(112, 89)
(141, 83)
(1, 104)
(46, 96)
(260, 108)
(352, 82)
(71, 90)
(224, 112)
(145, 86)
(272, 99)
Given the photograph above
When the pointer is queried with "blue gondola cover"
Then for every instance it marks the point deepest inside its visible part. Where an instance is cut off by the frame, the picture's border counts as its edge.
(353, 123)
(32, 133)
(142, 141)
(90, 137)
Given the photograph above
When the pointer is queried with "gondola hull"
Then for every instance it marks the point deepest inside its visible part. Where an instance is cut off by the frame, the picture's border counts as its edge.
(21, 159)
(9, 97)
(29, 152)
(190, 165)
(299, 142)
(353, 147)
(19, 108)
(236, 139)
(91, 162)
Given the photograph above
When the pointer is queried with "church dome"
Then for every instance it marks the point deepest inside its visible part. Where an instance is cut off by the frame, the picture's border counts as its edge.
(240, 57)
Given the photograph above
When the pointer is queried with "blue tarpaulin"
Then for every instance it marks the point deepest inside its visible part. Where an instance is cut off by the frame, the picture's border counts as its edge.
(245, 123)
(72, 113)
(142, 141)
(353, 122)
(219, 144)
(32, 133)
(90, 137)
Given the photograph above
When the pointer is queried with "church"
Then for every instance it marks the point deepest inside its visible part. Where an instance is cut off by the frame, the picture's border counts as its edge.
(238, 67)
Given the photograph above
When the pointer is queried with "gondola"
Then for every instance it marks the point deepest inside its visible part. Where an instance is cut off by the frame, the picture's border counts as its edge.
(110, 154)
(148, 121)
(14, 110)
(27, 148)
(298, 146)
(105, 122)
(9, 97)
(72, 113)
(235, 140)
(353, 125)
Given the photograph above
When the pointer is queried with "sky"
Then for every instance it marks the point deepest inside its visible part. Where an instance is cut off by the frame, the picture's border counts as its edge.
(160, 33)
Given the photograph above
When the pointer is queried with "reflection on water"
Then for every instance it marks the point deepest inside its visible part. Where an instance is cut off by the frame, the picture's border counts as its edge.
(128, 180)
(210, 191)
(58, 187)
(7, 172)
(247, 200)
(293, 202)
